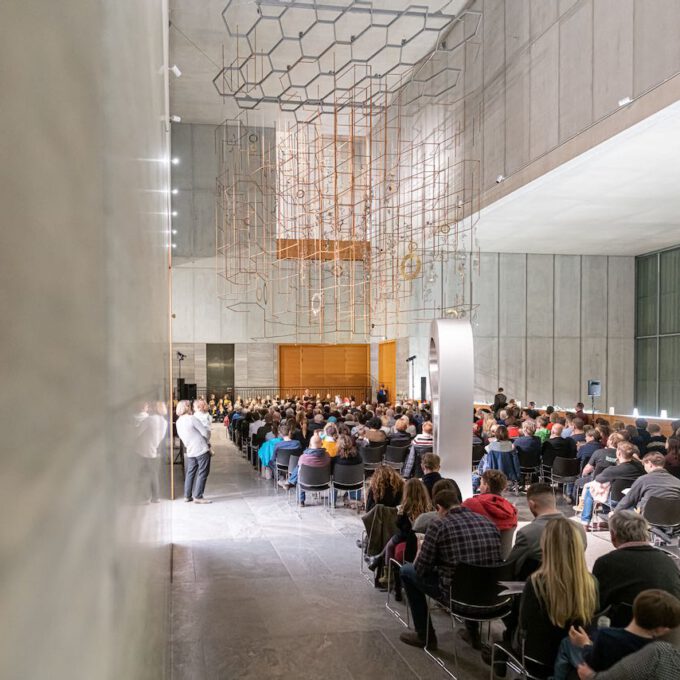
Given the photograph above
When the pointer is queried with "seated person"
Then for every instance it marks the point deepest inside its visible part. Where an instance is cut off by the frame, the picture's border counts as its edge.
(526, 552)
(657, 442)
(346, 454)
(430, 463)
(656, 660)
(421, 444)
(500, 455)
(385, 488)
(542, 431)
(627, 467)
(415, 502)
(558, 446)
(643, 435)
(673, 456)
(528, 442)
(374, 434)
(490, 503)
(400, 437)
(558, 595)
(314, 456)
(601, 459)
(457, 535)
(657, 483)
(423, 521)
(655, 613)
(511, 425)
(316, 423)
(578, 434)
(329, 438)
(288, 444)
(635, 565)
(589, 447)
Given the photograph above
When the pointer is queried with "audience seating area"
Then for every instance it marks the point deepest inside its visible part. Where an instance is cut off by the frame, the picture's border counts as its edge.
(381, 458)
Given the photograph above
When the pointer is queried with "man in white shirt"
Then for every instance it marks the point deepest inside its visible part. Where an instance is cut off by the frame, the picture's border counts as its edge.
(194, 436)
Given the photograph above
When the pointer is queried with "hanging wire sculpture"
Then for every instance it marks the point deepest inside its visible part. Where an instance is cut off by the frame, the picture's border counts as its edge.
(357, 213)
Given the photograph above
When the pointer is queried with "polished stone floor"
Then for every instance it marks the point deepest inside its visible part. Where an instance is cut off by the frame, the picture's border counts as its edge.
(263, 590)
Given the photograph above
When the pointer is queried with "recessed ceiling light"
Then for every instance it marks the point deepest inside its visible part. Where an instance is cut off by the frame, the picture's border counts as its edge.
(624, 101)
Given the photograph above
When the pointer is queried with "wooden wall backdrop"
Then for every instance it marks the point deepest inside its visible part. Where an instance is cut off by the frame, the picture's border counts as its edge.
(323, 366)
(387, 367)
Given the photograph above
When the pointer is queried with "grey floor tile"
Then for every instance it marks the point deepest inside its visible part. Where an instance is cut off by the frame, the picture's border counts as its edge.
(264, 590)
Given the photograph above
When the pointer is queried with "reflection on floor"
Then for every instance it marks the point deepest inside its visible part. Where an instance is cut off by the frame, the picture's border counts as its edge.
(262, 590)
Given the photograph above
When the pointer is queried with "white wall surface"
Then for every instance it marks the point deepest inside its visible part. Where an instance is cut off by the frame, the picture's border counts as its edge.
(83, 273)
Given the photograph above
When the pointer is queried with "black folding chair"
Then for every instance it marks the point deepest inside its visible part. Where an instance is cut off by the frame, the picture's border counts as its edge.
(372, 456)
(564, 471)
(395, 456)
(314, 480)
(348, 478)
(478, 452)
(663, 516)
(529, 465)
(283, 457)
(475, 596)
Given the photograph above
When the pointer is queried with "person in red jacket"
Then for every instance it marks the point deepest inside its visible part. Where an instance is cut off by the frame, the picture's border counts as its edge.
(489, 502)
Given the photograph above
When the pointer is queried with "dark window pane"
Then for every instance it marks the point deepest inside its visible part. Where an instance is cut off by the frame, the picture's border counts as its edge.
(669, 375)
(670, 292)
(645, 376)
(646, 294)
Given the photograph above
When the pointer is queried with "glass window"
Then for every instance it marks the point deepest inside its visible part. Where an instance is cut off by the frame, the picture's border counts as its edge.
(645, 376)
(669, 375)
(669, 288)
(646, 294)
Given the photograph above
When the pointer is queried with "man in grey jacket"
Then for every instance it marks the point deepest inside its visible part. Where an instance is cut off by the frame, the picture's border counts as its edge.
(541, 501)
(657, 483)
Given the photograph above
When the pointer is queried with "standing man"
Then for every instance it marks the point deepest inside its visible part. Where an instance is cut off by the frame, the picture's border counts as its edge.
(456, 535)
(194, 436)
(499, 401)
(382, 395)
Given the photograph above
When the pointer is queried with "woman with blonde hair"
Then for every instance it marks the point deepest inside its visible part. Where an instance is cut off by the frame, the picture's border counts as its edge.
(487, 423)
(385, 488)
(559, 594)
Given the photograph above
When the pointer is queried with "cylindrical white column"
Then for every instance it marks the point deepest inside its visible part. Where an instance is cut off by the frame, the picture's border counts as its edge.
(452, 387)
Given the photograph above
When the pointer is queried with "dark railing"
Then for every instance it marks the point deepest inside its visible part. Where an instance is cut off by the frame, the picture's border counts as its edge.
(358, 392)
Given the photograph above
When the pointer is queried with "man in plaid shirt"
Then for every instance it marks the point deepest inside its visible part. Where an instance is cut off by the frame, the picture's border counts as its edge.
(457, 535)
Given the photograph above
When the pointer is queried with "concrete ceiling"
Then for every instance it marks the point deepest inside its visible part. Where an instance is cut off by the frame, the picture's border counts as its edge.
(201, 45)
(620, 198)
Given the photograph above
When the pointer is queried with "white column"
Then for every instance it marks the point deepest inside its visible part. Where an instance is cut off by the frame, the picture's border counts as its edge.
(452, 384)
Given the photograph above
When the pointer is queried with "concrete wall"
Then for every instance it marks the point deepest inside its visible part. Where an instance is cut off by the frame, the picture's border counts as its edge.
(547, 323)
(546, 70)
(542, 325)
(83, 269)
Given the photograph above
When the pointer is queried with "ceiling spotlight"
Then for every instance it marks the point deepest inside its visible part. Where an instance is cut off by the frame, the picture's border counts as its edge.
(624, 101)
(175, 69)
(175, 161)
(174, 245)
(175, 119)
(174, 213)
(499, 179)
(175, 191)
(174, 231)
